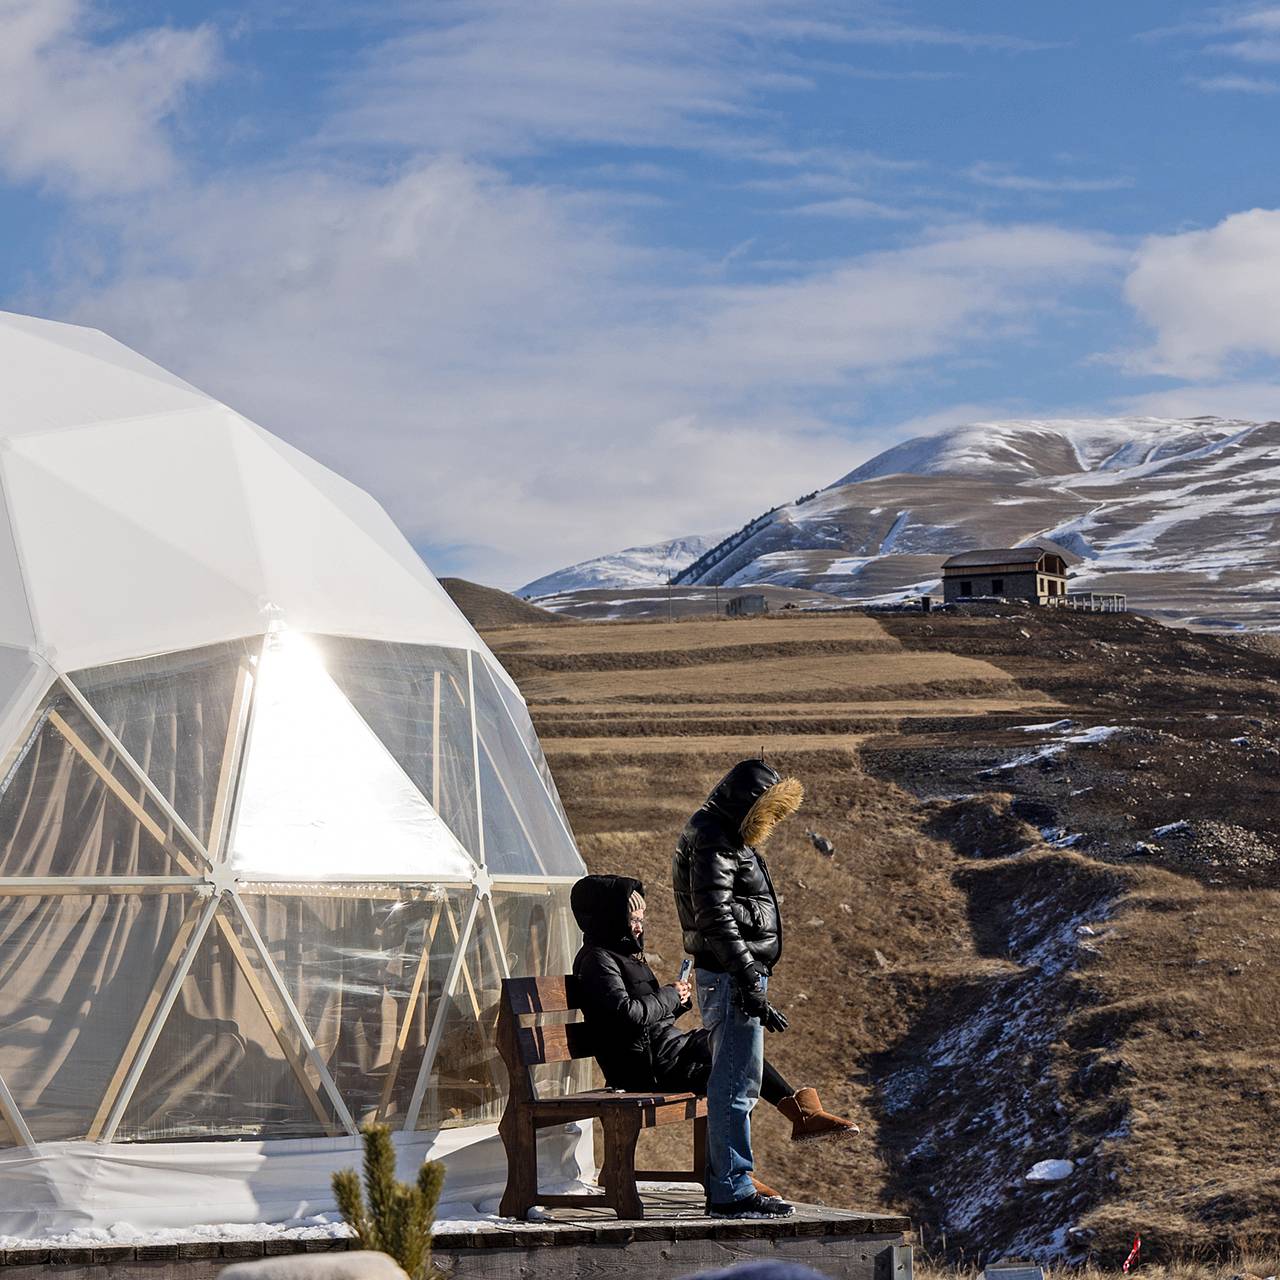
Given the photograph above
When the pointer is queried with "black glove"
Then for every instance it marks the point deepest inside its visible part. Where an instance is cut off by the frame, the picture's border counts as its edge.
(753, 1001)
(774, 1019)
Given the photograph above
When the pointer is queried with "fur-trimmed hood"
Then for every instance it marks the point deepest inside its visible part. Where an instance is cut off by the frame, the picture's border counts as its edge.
(752, 798)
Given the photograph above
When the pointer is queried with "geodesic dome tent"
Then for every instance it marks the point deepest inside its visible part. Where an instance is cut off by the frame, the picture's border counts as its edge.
(273, 821)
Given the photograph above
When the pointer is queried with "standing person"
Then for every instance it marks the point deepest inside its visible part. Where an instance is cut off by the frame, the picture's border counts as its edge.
(733, 930)
(632, 1017)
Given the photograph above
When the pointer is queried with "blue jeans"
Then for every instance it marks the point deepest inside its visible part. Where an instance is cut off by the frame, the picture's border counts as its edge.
(737, 1060)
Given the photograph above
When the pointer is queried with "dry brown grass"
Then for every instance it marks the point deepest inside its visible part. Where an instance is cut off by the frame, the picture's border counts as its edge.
(898, 939)
(711, 633)
(872, 674)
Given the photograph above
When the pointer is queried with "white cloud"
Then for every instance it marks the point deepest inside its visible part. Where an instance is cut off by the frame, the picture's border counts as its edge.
(987, 174)
(852, 207)
(86, 116)
(511, 376)
(500, 77)
(1236, 84)
(1252, 401)
(1209, 295)
(506, 77)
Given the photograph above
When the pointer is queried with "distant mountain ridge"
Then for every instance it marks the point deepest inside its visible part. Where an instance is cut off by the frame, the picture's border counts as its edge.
(648, 566)
(1181, 514)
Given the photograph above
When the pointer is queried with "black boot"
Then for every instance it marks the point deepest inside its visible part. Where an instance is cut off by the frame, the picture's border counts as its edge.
(752, 1206)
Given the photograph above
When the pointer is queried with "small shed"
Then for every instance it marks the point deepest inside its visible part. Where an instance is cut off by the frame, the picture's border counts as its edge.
(747, 606)
(1033, 573)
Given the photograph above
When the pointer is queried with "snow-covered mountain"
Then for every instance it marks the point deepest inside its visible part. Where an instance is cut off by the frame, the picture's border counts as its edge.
(635, 567)
(1181, 514)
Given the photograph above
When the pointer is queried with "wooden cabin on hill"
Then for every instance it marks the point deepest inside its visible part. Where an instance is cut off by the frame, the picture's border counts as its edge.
(1035, 574)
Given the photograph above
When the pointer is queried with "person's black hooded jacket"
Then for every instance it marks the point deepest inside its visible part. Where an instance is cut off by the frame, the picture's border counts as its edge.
(630, 1016)
(728, 909)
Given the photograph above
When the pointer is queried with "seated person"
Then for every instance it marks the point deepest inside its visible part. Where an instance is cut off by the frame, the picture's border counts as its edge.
(632, 1018)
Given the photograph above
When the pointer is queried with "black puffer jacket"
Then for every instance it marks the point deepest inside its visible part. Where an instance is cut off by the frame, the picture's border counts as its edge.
(631, 1017)
(728, 909)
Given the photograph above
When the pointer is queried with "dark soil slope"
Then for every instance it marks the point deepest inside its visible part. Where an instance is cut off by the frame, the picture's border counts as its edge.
(488, 607)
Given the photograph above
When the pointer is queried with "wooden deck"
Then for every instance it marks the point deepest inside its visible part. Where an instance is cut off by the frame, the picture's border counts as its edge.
(675, 1239)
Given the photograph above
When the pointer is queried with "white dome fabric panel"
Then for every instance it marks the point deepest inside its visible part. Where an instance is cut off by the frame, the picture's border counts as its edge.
(135, 537)
(111, 381)
(155, 519)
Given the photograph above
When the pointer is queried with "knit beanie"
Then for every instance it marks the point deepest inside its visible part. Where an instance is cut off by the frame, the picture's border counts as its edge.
(635, 902)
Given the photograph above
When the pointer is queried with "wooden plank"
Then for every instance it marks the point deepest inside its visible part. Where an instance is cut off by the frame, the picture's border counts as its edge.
(559, 1042)
(608, 1098)
(116, 888)
(121, 792)
(415, 989)
(540, 995)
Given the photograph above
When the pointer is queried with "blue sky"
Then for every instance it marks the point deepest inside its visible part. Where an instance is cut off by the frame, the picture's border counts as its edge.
(551, 277)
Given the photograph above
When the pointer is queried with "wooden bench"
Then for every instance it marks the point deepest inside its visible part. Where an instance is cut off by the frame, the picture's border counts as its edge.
(525, 1043)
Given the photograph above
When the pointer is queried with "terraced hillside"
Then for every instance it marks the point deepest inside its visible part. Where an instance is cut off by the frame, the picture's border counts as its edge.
(1048, 931)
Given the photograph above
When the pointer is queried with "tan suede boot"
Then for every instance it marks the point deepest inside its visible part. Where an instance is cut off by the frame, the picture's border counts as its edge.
(763, 1188)
(809, 1121)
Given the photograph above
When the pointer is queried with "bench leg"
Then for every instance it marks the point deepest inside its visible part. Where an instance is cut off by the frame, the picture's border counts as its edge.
(619, 1173)
(520, 1138)
(700, 1148)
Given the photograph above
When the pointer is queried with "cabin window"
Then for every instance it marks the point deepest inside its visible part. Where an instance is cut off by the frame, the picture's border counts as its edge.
(997, 586)
(1039, 586)
(966, 587)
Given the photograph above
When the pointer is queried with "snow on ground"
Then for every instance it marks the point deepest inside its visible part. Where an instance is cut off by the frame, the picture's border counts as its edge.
(452, 1218)
(634, 567)
(1085, 738)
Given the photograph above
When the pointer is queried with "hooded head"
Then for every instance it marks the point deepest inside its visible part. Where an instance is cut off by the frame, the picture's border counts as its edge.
(752, 798)
(602, 907)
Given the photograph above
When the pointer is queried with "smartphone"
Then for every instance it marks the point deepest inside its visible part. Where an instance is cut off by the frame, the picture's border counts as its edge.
(686, 968)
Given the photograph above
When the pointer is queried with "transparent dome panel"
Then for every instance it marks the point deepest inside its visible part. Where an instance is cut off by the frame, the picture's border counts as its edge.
(467, 1083)
(177, 716)
(78, 976)
(70, 807)
(366, 966)
(524, 831)
(416, 699)
(227, 1063)
(519, 714)
(540, 938)
(321, 796)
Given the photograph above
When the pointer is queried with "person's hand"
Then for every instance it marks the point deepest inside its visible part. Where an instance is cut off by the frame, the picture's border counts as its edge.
(685, 992)
(774, 1019)
(753, 1002)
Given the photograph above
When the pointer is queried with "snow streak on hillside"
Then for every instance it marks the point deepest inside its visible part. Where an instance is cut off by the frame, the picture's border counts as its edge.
(635, 567)
(1183, 515)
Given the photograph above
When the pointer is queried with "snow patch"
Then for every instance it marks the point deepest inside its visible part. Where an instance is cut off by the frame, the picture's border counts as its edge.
(1050, 1170)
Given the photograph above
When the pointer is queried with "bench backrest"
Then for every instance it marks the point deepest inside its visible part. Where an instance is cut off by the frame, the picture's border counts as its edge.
(526, 1042)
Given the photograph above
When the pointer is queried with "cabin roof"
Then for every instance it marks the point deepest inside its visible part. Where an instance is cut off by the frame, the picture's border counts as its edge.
(1031, 556)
